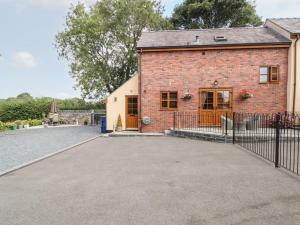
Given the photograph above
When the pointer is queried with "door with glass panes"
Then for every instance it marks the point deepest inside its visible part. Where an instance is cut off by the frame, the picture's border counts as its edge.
(131, 112)
(214, 103)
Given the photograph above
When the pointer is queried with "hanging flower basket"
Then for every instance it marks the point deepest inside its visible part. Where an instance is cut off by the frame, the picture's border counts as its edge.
(187, 96)
(246, 93)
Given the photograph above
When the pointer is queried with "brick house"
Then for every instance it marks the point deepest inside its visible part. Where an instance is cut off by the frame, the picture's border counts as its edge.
(213, 66)
(205, 71)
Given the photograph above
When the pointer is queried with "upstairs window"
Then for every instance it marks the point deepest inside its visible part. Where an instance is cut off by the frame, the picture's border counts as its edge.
(274, 74)
(264, 74)
(269, 74)
(169, 100)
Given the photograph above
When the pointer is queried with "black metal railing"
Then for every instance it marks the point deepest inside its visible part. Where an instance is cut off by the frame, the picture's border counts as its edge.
(275, 137)
(220, 123)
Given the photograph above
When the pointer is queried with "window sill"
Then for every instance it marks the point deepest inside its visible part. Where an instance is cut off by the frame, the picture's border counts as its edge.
(274, 82)
(168, 110)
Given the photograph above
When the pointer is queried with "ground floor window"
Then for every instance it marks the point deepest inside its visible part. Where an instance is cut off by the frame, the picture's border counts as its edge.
(168, 100)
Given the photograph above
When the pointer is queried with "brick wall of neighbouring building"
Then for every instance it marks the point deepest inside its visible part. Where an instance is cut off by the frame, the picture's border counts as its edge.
(190, 70)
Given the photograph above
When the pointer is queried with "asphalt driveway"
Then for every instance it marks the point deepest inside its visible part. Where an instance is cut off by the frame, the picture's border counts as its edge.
(150, 181)
(22, 146)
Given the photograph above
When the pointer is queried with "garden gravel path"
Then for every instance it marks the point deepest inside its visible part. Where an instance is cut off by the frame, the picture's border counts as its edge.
(22, 146)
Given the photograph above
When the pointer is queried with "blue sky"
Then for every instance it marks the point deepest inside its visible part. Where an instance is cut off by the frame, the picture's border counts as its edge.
(29, 61)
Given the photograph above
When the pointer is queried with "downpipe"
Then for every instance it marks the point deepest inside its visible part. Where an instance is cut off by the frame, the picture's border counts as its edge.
(295, 75)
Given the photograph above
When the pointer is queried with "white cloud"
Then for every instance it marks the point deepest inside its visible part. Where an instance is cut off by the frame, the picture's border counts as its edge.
(24, 60)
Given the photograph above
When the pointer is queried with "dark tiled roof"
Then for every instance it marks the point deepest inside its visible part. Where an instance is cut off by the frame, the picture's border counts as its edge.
(187, 38)
(291, 25)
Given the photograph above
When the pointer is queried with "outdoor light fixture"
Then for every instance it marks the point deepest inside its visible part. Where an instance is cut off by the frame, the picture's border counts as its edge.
(216, 83)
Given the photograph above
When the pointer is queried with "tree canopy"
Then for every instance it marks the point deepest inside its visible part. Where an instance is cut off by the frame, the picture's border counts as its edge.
(193, 14)
(100, 42)
(25, 96)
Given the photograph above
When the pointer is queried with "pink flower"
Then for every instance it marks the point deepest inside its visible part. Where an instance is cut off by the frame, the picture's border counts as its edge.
(246, 93)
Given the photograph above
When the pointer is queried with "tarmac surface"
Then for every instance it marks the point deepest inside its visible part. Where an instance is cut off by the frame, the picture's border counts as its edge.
(150, 181)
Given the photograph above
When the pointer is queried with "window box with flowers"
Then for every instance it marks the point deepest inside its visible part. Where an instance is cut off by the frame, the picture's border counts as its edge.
(187, 96)
(246, 93)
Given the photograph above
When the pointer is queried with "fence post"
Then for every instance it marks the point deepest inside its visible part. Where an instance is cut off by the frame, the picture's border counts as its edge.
(233, 127)
(277, 125)
(226, 125)
(174, 121)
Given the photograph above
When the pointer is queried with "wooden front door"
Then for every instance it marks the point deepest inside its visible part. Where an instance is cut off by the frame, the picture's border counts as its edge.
(214, 103)
(131, 112)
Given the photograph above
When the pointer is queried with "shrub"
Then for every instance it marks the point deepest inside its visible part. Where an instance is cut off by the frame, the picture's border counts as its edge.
(119, 122)
(18, 122)
(35, 122)
(7, 126)
(25, 107)
(10, 125)
(2, 126)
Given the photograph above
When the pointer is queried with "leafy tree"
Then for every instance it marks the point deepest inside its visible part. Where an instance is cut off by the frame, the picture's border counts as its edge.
(100, 43)
(25, 96)
(215, 14)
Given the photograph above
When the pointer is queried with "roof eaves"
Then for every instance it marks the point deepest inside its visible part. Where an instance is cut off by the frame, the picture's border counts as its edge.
(288, 42)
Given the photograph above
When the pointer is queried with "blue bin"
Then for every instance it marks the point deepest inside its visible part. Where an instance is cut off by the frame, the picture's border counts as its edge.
(102, 124)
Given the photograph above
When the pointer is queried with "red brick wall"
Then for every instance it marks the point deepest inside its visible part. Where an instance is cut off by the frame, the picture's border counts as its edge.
(190, 70)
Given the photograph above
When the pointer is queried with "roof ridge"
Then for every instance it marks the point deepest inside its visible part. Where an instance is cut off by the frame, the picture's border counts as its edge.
(284, 18)
(193, 30)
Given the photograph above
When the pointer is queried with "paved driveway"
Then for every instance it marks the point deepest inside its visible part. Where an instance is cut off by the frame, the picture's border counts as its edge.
(150, 181)
(21, 146)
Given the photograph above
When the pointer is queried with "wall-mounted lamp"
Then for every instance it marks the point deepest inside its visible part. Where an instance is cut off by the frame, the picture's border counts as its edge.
(216, 83)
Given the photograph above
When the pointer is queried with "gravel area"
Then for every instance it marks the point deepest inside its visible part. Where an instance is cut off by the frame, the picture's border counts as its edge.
(21, 146)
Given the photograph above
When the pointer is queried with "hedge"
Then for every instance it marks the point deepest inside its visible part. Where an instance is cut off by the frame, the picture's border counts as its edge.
(11, 110)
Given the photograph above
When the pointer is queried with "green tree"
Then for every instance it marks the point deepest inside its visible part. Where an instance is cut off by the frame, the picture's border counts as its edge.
(215, 14)
(100, 43)
(25, 96)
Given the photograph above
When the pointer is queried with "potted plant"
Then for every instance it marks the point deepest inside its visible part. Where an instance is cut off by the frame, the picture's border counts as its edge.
(119, 124)
(246, 93)
(187, 96)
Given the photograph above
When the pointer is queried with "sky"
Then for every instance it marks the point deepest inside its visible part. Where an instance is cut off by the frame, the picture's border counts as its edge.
(29, 61)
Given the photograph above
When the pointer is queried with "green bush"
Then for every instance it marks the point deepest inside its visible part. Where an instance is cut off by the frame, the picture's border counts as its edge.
(18, 122)
(7, 126)
(10, 125)
(25, 107)
(2, 126)
(35, 122)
